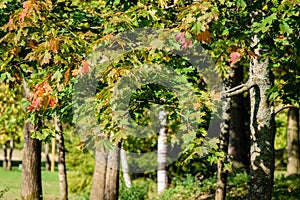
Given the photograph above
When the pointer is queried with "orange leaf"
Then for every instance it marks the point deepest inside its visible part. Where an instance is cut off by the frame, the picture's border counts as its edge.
(204, 37)
(54, 45)
(32, 43)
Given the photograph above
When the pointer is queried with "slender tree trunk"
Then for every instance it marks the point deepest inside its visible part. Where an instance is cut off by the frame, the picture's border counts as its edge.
(62, 172)
(48, 162)
(53, 148)
(293, 165)
(112, 175)
(4, 147)
(31, 180)
(162, 177)
(11, 149)
(31, 184)
(224, 139)
(125, 168)
(262, 127)
(239, 140)
(98, 184)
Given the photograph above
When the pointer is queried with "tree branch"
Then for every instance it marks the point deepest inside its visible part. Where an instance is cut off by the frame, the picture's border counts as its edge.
(237, 90)
(282, 107)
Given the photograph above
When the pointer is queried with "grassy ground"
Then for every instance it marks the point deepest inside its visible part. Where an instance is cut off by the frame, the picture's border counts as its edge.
(10, 182)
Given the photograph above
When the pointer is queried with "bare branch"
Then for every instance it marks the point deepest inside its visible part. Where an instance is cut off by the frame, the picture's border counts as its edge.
(238, 89)
(282, 107)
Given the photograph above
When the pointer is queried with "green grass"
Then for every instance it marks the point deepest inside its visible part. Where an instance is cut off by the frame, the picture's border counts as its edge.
(11, 182)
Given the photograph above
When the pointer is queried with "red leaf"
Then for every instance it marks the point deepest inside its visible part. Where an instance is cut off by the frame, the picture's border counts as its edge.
(85, 68)
(234, 58)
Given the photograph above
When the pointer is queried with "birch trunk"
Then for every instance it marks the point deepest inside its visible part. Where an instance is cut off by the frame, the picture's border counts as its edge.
(53, 148)
(62, 172)
(48, 162)
(125, 168)
(11, 149)
(293, 165)
(4, 147)
(262, 127)
(162, 178)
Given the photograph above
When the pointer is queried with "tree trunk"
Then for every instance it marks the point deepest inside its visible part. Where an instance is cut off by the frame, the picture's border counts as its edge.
(293, 165)
(11, 149)
(62, 173)
(112, 175)
(239, 140)
(125, 168)
(162, 178)
(31, 184)
(262, 128)
(4, 147)
(31, 180)
(98, 184)
(53, 148)
(48, 162)
(224, 139)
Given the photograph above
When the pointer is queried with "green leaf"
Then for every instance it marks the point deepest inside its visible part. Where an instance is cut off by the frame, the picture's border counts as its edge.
(285, 28)
(265, 25)
(197, 28)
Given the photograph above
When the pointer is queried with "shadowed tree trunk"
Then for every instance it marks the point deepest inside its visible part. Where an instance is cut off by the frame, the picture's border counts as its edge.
(62, 172)
(31, 180)
(293, 165)
(239, 139)
(31, 184)
(162, 178)
(224, 139)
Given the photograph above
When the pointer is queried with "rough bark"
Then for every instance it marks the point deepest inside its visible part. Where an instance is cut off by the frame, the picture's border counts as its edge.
(31, 184)
(99, 176)
(112, 175)
(125, 168)
(293, 165)
(62, 172)
(162, 178)
(224, 139)
(48, 162)
(262, 128)
(31, 179)
(11, 149)
(239, 139)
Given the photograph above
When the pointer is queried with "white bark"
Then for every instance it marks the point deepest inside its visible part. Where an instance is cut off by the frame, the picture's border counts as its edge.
(11, 149)
(162, 177)
(125, 169)
(53, 153)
